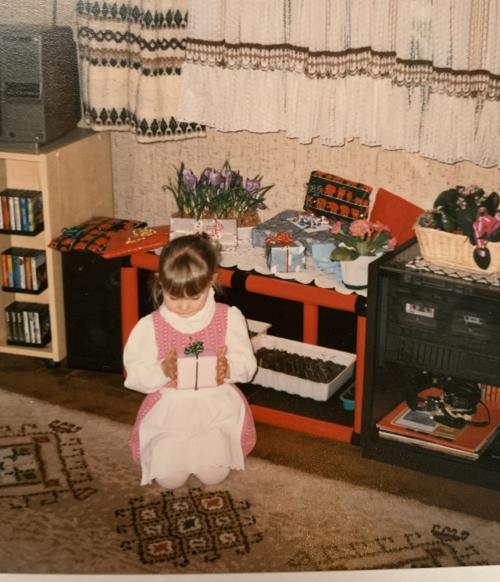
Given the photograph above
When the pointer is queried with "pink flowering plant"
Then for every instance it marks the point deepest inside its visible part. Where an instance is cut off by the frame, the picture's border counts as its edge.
(360, 238)
(217, 193)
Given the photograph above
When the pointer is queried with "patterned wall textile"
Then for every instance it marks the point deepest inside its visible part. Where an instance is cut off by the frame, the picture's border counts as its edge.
(131, 56)
(418, 75)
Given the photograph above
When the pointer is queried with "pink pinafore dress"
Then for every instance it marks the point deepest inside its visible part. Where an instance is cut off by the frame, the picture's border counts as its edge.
(184, 430)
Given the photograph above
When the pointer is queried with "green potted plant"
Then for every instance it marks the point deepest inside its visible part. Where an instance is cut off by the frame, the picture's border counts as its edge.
(219, 194)
(462, 230)
(359, 243)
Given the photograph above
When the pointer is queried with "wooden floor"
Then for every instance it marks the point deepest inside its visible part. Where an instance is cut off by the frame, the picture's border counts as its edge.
(103, 394)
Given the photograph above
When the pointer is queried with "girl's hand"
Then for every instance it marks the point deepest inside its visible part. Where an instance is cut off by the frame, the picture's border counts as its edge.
(222, 366)
(169, 366)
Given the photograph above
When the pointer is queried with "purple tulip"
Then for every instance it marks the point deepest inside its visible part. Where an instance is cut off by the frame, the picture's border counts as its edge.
(204, 178)
(212, 177)
(252, 185)
(229, 178)
(189, 180)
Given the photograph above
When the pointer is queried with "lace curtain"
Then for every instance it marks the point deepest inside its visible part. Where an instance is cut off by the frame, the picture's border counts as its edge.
(417, 75)
(131, 56)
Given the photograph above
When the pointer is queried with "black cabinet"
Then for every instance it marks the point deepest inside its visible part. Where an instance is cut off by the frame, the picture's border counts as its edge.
(420, 325)
(92, 308)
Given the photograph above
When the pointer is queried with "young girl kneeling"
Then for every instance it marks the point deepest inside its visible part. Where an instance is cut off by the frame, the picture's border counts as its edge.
(208, 431)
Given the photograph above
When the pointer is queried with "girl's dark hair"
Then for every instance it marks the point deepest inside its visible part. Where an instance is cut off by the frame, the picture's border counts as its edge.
(188, 265)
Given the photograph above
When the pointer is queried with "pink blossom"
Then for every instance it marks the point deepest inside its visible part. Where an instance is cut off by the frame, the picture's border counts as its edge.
(336, 227)
(380, 227)
(391, 243)
(360, 228)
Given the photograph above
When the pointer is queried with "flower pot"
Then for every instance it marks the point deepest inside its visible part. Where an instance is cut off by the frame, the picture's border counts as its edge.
(355, 273)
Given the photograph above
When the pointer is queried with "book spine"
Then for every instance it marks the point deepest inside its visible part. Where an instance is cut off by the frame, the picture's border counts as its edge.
(5, 270)
(39, 270)
(15, 268)
(12, 213)
(5, 213)
(38, 335)
(31, 322)
(1, 215)
(8, 323)
(24, 213)
(19, 325)
(22, 272)
(17, 210)
(26, 327)
(10, 270)
(31, 215)
(34, 273)
(29, 276)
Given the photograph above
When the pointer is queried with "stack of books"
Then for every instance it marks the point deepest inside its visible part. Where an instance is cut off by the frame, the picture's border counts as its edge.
(420, 428)
(27, 323)
(24, 269)
(21, 211)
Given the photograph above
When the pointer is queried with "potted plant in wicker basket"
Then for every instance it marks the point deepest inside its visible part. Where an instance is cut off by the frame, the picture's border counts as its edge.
(462, 230)
(222, 194)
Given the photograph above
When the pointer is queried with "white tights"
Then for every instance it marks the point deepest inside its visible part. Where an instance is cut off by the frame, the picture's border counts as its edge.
(208, 475)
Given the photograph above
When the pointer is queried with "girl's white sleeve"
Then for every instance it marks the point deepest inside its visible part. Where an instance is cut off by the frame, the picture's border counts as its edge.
(240, 354)
(140, 359)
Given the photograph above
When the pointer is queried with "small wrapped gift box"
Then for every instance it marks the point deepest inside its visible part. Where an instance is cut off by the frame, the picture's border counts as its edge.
(280, 223)
(196, 367)
(303, 227)
(222, 230)
(283, 254)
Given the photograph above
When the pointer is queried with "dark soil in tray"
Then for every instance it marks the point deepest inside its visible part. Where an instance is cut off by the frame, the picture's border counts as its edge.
(305, 367)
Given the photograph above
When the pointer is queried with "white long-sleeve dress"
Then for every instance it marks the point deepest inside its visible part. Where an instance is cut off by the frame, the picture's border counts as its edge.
(185, 430)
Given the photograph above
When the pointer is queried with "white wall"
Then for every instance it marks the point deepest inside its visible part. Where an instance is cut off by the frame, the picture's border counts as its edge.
(140, 170)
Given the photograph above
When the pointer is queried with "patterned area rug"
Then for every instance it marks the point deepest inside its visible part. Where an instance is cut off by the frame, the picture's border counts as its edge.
(70, 503)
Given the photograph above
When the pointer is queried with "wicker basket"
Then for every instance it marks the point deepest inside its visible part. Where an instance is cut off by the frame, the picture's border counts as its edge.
(453, 250)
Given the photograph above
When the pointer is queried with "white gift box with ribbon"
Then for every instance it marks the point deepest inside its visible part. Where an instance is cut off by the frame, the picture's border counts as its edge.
(222, 230)
(196, 371)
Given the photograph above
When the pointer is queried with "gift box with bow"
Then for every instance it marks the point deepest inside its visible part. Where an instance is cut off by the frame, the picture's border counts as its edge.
(283, 254)
(196, 367)
(222, 230)
(304, 228)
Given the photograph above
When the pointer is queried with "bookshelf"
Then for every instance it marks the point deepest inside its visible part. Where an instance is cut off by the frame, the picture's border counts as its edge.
(74, 177)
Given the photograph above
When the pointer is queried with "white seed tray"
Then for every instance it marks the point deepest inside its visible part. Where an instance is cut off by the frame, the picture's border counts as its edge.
(256, 327)
(300, 386)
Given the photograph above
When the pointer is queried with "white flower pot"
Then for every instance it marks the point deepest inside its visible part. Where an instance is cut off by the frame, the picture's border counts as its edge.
(355, 273)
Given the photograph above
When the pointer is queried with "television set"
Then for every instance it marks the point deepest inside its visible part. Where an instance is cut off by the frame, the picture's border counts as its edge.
(39, 85)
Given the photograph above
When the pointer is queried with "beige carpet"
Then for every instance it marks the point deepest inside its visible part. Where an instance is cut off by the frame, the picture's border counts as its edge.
(70, 503)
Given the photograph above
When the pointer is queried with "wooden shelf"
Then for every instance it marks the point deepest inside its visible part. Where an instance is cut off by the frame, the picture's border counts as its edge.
(74, 175)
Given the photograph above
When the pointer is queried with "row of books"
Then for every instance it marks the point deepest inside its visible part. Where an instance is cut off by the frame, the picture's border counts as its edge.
(422, 429)
(27, 323)
(21, 210)
(24, 269)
